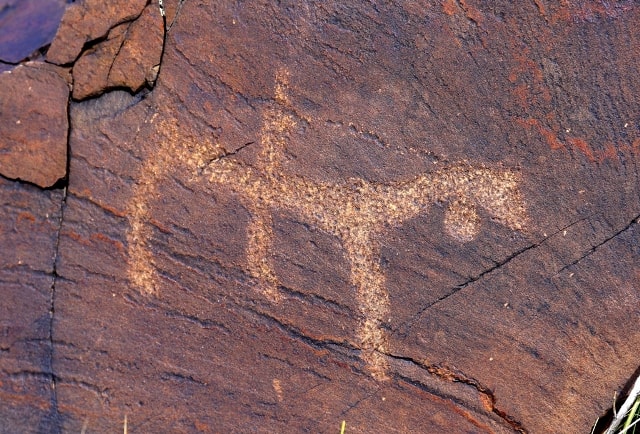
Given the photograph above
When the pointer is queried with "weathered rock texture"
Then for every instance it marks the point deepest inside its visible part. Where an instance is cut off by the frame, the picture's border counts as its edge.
(414, 217)
(28, 242)
(128, 58)
(113, 45)
(34, 123)
(26, 26)
(86, 21)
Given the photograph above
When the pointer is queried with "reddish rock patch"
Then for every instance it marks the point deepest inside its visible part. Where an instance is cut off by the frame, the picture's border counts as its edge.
(34, 123)
(128, 58)
(84, 22)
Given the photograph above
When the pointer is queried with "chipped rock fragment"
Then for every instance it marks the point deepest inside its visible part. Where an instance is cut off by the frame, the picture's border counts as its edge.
(84, 22)
(33, 123)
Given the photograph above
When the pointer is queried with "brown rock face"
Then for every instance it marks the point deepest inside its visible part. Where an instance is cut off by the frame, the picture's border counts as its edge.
(126, 59)
(86, 21)
(28, 242)
(411, 217)
(34, 124)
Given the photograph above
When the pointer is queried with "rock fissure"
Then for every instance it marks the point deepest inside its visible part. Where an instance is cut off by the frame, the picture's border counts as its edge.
(225, 154)
(123, 41)
(454, 375)
(165, 30)
(295, 332)
(102, 392)
(55, 412)
(312, 298)
(592, 250)
(52, 301)
(357, 403)
(497, 265)
(89, 44)
(26, 373)
(179, 377)
(62, 183)
(468, 282)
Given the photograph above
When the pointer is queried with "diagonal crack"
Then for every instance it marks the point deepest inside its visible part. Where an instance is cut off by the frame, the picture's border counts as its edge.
(120, 46)
(454, 375)
(59, 184)
(441, 372)
(460, 287)
(226, 154)
(300, 335)
(634, 221)
(357, 403)
(473, 279)
(488, 271)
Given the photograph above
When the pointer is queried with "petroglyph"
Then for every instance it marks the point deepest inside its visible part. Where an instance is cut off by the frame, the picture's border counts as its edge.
(142, 271)
(356, 211)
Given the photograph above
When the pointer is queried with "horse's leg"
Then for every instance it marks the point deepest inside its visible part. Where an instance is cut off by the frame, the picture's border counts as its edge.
(174, 154)
(373, 300)
(260, 239)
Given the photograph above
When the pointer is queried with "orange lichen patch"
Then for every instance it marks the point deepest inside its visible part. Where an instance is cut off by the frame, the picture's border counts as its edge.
(449, 404)
(525, 64)
(486, 401)
(356, 211)
(22, 400)
(105, 239)
(452, 7)
(541, 8)
(112, 210)
(201, 426)
(528, 77)
(522, 93)
(610, 152)
(76, 237)
(25, 216)
(471, 12)
(449, 7)
(87, 194)
(582, 146)
(550, 137)
(97, 237)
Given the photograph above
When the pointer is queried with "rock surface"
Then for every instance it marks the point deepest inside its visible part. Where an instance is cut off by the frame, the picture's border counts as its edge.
(413, 217)
(40, 17)
(28, 242)
(126, 59)
(34, 123)
(86, 21)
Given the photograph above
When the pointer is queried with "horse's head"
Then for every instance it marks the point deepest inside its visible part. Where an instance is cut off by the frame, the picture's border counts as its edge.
(495, 190)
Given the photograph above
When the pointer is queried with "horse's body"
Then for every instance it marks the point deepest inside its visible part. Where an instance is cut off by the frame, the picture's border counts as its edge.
(356, 211)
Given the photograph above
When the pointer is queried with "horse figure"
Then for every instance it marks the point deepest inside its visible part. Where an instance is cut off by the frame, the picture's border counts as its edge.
(356, 211)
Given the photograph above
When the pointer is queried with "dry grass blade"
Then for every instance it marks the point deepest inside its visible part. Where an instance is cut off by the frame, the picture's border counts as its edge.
(626, 411)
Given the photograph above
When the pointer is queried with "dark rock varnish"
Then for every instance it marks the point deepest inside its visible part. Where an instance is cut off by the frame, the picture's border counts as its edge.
(414, 217)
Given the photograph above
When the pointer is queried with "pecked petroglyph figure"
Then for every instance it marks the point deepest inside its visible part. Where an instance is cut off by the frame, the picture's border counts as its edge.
(357, 212)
